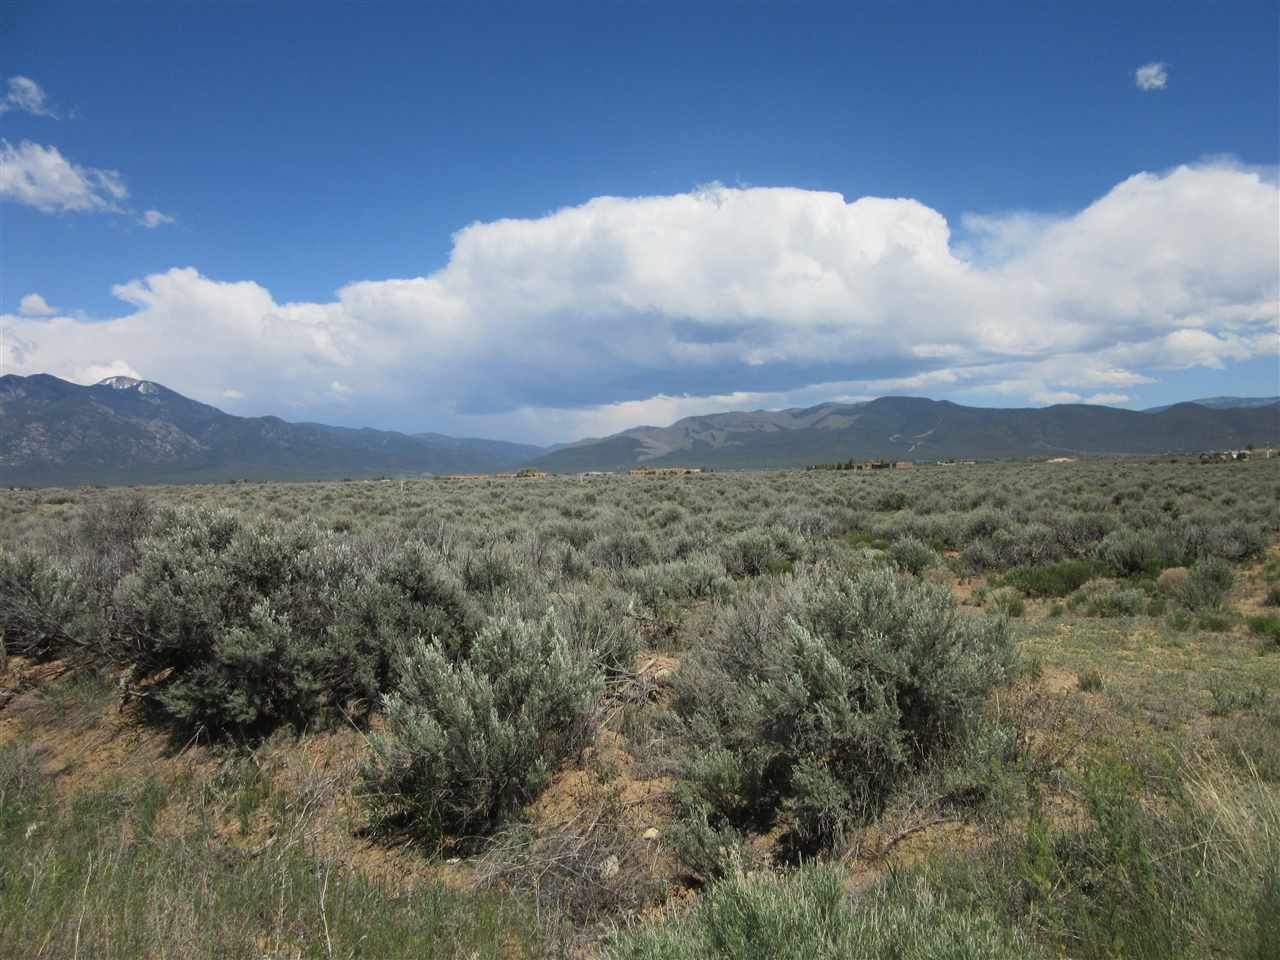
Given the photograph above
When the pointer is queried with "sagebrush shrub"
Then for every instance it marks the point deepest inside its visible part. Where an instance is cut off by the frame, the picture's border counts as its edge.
(1208, 585)
(255, 626)
(45, 610)
(1130, 553)
(1053, 579)
(812, 701)
(696, 577)
(1108, 598)
(1236, 540)
(623, 549)
(1079, 533)
(913, 555)
(598, 626)
(760, 550)
(468, 743)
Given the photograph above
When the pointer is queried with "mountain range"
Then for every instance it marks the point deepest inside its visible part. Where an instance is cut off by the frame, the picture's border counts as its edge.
(128, 431)
(914, 428)
(1225, 403)
(123, 430)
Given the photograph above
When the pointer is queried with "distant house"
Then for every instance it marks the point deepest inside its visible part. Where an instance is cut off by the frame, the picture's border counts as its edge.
(1226, 456)
(663, 471)
(903, 465)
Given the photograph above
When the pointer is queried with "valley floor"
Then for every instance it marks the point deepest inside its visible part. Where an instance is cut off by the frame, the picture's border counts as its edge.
(1123, 800)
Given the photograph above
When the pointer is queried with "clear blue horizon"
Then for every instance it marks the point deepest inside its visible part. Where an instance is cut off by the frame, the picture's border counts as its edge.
(551, 222)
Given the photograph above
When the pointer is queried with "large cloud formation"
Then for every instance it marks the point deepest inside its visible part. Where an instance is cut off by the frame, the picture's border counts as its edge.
(626, 310)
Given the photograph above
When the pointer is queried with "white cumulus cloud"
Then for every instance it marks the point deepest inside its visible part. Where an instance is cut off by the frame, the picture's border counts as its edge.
(26, 95)
(1108, 398)
(1151, 76)
(154, 218)
(42, 177)
(34, 305)
(628, 310)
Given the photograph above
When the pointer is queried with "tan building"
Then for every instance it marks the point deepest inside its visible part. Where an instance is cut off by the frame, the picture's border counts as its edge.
(663, 471)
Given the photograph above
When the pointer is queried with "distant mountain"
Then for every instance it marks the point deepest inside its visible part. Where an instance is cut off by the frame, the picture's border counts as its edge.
(130, 431)
(1224, 403)
(917, 429)
(501, 452)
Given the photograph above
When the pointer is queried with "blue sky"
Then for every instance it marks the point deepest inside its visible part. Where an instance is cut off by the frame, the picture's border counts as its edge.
(300, 150)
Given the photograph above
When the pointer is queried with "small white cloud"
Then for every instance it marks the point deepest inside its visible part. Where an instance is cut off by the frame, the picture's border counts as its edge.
(1056, 396)
(26, 95)
(231, 393)
(339, 389)
(34, 305)
(154, 218)
(1109, 398)
(1151, 76)
(97, 372)
(43, 178)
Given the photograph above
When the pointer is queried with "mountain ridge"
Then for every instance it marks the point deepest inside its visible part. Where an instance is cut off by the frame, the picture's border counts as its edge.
(1222, 403)
(918, 428)
(122, 430)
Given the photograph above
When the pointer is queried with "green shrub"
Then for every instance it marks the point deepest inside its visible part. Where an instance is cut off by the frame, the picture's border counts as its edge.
(467, 744)
(1236, 540)
(758, 551)
(1052, 579)
(1090, 681)
(1226, 700)
(1130, 553)
(807, 915)
(597, 627)
(1098, 886)
(1079, 533)
(44, 609)
(913, 555)
(1010, 603)
(1104, 599)
(1208, 585)
(1267, 627)
(1214, 622)
(986, 553)
(623, 549)
(892, 501)
(812, 700)
(696, 577)
(259, 625)
(707, 847)
(489, 569)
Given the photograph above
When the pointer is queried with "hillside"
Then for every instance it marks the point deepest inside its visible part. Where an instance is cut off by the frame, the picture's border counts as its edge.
(1223, 403)
(918, 429)
(127, 431)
